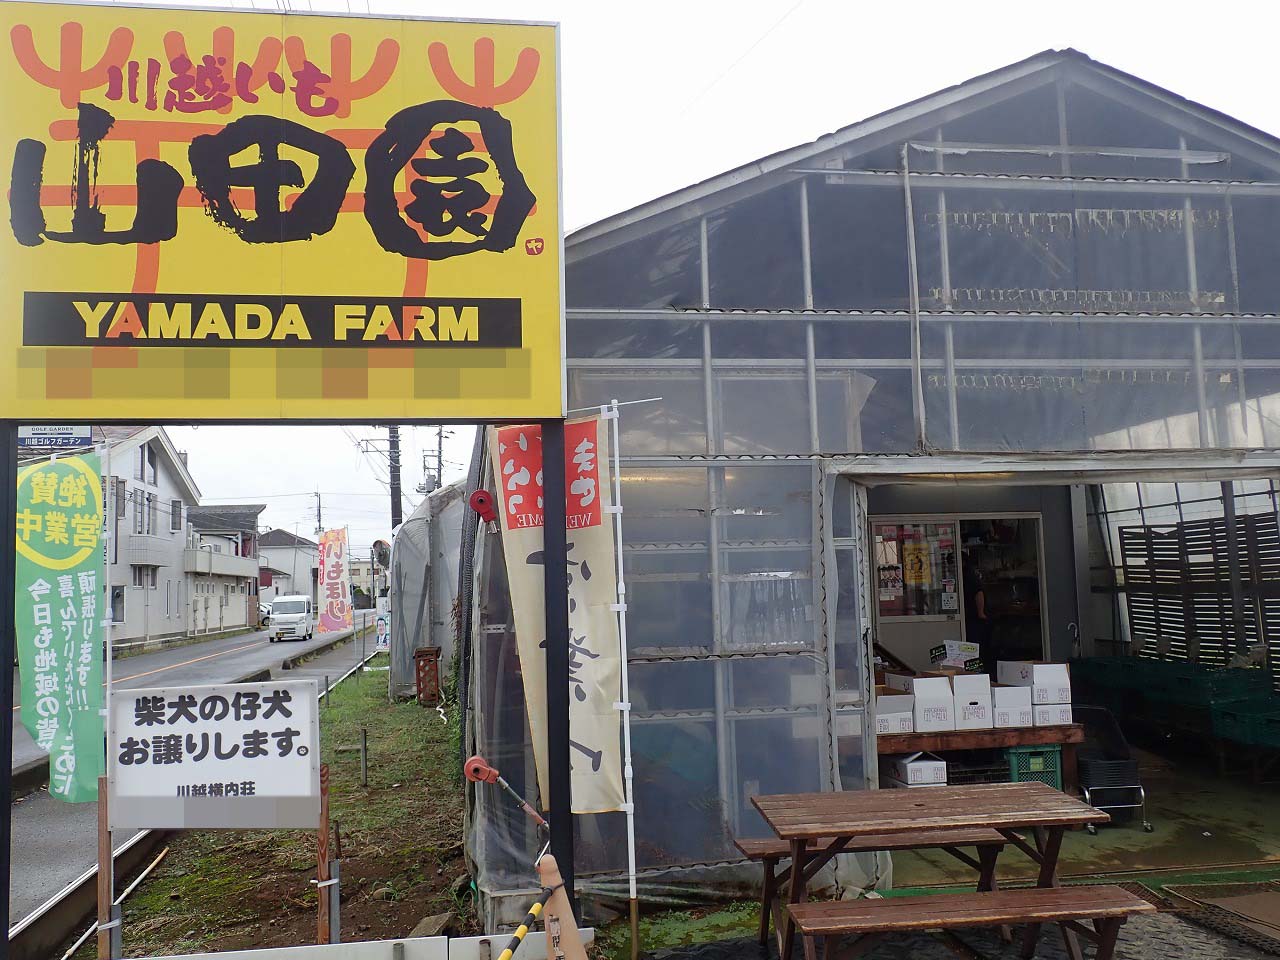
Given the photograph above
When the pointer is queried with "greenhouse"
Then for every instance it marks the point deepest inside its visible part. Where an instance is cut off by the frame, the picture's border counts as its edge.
(1022, 328)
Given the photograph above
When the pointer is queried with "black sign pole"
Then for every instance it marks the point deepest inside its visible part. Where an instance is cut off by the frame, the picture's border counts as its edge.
(555, 572)
(8, 651)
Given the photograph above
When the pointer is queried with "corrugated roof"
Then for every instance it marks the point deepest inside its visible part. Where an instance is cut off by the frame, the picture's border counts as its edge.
(227, 516)
(848, 135)
(283, 538)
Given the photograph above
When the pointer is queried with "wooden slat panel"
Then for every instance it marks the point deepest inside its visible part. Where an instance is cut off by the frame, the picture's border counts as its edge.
(918, 840)
(867, 812)
(1035, 905)
(891, 743)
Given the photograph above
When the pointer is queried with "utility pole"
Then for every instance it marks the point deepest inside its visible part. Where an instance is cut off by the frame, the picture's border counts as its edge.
(393, 452)
(319, 522)
(440, 456)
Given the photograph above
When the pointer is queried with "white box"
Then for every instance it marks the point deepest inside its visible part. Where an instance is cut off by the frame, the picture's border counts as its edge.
(1011, 707)
(895, 713)
(899, 681)
(955, 653)
(935, 707)
(1053, 714)
(917, 768)
(972, 698)
(1049, 682)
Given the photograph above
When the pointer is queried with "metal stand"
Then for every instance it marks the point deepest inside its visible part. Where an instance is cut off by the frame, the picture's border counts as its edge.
(555, 572)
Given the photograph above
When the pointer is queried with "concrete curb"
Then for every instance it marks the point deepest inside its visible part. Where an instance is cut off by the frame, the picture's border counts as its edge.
(291, 662)
(40, 934)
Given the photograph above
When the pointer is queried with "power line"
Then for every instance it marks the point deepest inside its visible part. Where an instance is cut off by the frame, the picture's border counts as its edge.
(746, 53)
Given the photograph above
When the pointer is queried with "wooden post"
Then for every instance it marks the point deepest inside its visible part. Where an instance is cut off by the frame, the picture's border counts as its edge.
(106, 873)
(322, 860)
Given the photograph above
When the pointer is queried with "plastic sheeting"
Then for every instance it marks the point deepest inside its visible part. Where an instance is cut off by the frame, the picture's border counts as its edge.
(424, 584)
(729, 685)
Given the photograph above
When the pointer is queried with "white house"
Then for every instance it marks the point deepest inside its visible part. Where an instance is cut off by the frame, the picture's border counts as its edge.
(222, 564)
(147, 502)
(287, 564)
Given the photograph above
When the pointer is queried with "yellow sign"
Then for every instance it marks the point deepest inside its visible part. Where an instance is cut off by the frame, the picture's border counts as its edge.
(60, 512)
(252, 216)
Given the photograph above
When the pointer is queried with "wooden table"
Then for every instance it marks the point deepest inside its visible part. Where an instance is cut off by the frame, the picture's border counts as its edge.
(844, 816)
(1067, 736)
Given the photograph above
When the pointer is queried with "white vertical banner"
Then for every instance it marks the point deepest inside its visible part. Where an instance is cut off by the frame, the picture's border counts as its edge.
(594, 649)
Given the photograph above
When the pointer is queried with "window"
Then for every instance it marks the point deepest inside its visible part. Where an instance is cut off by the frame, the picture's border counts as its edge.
(140, 464)
(151, 514)
(916, 569)
(175, 516)
(136, 496)
(122, 498)
(151, 464)
(144, 576)
(117, 604)
(168, 586)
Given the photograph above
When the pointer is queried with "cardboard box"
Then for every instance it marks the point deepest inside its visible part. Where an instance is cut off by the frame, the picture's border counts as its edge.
(899, 681)
(1049, 682)
(972, 697)
(1011, 707)
(935, 707)
(895, 712)
(1053, 714)
(916, 768)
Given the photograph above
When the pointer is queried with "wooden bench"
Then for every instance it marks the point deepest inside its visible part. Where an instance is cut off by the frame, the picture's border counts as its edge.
(1107, 907)
(988, 843)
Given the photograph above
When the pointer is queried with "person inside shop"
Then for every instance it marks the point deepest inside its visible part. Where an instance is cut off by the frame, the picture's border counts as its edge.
(977, 625)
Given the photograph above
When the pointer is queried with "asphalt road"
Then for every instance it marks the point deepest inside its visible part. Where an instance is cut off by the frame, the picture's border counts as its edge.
(55, 842)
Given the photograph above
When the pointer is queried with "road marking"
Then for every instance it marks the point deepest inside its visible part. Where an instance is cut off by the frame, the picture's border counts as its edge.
(184, 663)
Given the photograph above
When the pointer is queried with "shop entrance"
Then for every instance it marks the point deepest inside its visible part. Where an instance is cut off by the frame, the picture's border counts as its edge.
(945, 583)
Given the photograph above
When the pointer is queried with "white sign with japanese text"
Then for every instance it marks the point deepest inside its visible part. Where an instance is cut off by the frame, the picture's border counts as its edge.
(595, 664)
(231, 755)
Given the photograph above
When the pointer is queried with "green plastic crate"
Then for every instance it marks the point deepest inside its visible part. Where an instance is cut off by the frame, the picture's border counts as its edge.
(1043, 764)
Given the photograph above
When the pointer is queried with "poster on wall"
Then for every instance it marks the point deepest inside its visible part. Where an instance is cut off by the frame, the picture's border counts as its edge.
(235, 215)
(58, 614)
(595, 669)
(915, 564)
(335, 586)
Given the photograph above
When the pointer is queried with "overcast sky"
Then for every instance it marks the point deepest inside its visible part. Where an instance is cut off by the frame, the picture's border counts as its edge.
(663, 94)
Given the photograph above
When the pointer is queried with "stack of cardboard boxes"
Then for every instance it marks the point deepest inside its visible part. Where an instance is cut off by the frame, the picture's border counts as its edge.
(948, 698)
(1049, 685)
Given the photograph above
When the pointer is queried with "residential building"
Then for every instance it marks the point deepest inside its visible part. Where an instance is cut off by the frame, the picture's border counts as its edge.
(148, 497)
(287, 564)
(222, 563)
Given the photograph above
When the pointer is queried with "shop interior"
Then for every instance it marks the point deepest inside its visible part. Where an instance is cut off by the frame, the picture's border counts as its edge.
(1172, 665)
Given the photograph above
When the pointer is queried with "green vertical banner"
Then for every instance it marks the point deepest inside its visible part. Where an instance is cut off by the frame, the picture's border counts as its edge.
(59, 613)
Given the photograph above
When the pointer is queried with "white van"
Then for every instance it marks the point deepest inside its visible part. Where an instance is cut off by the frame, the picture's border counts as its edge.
(292, 618)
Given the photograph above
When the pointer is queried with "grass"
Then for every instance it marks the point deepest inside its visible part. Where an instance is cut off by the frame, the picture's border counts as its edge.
(676, 928)
(401, 837)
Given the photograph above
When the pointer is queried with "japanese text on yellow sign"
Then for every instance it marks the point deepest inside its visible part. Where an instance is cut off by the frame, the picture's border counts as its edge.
(250, 216)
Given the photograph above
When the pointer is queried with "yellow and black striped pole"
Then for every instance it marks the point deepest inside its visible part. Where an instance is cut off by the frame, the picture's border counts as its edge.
(530, 919)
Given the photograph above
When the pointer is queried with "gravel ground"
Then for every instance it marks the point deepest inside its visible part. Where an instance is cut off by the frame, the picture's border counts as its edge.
(1160, 936)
